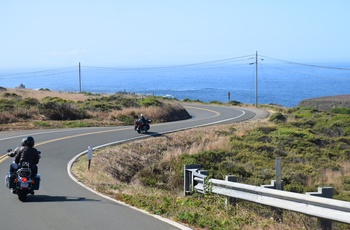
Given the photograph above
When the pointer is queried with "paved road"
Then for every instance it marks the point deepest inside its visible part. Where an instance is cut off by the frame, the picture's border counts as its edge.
(61, 203)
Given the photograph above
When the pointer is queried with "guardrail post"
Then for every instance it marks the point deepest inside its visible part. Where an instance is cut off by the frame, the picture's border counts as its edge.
(326, 192)
(279, 173)
(277, 212)
(205, 185)
(188, 178)
(230, 200)
(273, 185)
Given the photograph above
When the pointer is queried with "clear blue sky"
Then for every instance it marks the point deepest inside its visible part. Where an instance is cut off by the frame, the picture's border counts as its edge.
(52, 33)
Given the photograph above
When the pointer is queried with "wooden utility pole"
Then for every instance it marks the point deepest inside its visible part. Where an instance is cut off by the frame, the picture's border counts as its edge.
(79, 78)
(256, 80)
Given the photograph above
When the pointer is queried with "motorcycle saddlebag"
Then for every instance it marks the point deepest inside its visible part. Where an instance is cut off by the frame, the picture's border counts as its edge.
(10, 180)
(36, 184)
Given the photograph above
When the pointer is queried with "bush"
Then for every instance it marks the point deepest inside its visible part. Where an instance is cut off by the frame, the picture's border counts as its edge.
(126, 119)
(7, 105)
(149, 101)
(102, 106)
(28, 102)
(232, 102)
(278, 118)
(12, 95)
(341, 111)
(61, 111)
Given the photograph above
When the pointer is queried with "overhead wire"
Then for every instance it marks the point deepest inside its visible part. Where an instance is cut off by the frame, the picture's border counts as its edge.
(235, 59)
(303, 64)
(39, 73)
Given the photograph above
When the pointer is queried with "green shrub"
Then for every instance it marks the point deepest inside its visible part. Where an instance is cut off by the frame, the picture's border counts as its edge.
(28, 102)
(41, 123)
(149, 101)
(216, 102)
(343, 195)
(294, 188)
(98, 106)
(61, 111)
(54, 100)
(12, 95)
(346, 182)
(44, 89)
(126, 119)
(6, 104)
(76, 124)
(278, 118)
(341, 110)
(232, 102)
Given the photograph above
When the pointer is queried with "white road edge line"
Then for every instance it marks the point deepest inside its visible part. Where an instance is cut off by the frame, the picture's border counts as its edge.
(71, 162)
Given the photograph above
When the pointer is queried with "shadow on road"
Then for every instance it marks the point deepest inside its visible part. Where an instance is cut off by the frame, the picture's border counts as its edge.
(154, 134)
(46, 198)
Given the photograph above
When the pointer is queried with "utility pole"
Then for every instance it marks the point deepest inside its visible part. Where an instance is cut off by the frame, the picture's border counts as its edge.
(79, 78)
(256, 79)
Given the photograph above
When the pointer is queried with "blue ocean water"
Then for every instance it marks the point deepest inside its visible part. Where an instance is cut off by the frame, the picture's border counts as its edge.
(283, 83)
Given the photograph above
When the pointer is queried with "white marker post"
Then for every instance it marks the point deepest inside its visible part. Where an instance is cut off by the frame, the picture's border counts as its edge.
(89, 156)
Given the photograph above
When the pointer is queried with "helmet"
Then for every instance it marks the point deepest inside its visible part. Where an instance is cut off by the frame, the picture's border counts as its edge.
(23, 143)
(141, 115)
(28, 141)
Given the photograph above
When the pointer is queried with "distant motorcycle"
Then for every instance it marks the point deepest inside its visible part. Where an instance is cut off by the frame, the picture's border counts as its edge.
(141, 126)
(20, 180)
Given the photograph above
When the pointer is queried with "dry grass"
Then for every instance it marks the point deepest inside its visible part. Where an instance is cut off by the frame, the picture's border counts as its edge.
(334, 177)
(31, 118)
(40, 94)
(133, 157)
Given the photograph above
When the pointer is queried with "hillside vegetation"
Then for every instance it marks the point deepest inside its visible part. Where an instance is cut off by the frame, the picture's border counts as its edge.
(33, 109)
(327, 103)
(314, 146)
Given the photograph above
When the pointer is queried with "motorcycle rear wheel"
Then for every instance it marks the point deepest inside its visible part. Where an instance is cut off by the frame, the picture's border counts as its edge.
(22, 195)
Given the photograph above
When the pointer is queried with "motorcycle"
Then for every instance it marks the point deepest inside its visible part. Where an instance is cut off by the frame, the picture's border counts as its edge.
(140, 126)
(20, 181)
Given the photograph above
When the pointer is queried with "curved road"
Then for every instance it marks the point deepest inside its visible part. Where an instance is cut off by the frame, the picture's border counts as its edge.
(61, 203)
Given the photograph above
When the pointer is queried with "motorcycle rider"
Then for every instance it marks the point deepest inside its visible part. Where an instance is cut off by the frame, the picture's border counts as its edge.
(143, 119)
(26, 153)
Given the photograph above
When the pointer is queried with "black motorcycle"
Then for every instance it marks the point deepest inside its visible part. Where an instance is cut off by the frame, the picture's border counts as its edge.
(20, 180)
(141, 126)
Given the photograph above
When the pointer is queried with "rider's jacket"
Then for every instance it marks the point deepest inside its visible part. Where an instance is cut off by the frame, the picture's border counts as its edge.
(27, 154)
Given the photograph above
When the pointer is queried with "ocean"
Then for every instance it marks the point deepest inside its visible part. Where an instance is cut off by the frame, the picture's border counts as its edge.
(273, 82)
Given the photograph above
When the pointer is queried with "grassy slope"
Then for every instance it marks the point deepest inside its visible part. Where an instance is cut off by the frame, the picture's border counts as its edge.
(314, 147)
(327, 103)
(35, 109)
(150, 176)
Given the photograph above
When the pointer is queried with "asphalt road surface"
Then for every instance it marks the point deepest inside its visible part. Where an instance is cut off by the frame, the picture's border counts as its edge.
(61, 203)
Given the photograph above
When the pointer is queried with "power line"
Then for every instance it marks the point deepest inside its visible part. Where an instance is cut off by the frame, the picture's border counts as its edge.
(40, 72)
(200, 64)
(5, 76)
(303, 64)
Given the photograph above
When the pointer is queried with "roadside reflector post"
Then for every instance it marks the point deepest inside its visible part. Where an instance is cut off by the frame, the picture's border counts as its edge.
(89, 156)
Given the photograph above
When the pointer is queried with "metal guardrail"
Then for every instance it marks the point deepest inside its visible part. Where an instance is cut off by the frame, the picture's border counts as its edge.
(310, 203)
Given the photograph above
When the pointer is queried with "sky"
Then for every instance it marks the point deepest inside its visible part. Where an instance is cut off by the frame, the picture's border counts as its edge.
(116, 33)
